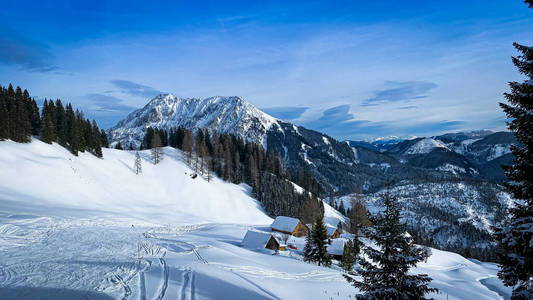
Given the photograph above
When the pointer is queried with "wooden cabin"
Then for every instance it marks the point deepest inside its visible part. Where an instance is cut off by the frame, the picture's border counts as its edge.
(260, 240)
(289, 225)
(336, 248)
(333, 232)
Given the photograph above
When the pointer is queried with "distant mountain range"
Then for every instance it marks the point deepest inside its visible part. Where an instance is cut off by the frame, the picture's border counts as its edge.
(443, 180)
(476, 154)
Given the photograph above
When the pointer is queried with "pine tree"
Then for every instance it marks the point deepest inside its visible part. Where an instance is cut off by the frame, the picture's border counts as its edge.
(341, 208)
(119, 146)
(4, 117)
(385, 269)
(157, 151)
(103, 139)
(48, 134)
(319, 237)
(515, 237)
(137, 166)
(349, 255)
(309, 251)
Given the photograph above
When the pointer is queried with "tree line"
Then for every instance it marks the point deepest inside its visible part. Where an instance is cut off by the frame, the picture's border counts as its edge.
(20, 120)
(238, 161)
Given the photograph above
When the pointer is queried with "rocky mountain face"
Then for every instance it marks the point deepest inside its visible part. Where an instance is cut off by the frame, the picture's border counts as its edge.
(223, 114)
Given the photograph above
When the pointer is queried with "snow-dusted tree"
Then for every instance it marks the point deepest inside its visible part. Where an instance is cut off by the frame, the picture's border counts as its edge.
(515, 236)
(157, 151)
(309, 248)
(316, 244)
(349, 254)
(137, 166)
(384, 268)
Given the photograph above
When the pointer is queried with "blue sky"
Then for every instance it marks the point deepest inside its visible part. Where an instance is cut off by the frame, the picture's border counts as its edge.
(352, 69)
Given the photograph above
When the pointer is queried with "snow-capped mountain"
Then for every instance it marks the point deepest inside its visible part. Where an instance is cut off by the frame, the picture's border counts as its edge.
(337, 165)
(299, 146)
(224, 114)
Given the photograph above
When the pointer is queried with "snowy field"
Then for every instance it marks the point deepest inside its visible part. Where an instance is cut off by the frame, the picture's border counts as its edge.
(87, 228)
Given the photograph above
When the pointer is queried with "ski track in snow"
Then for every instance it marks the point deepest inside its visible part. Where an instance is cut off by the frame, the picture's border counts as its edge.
(164, 280)
(142, 286)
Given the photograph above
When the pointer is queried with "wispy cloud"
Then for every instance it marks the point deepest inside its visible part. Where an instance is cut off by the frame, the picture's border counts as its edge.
(400, 91)
(29, 54)
(285, 112)
(106, 108)
(135, 89)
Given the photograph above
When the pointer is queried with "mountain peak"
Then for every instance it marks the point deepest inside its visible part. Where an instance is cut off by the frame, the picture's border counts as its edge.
(224, 114)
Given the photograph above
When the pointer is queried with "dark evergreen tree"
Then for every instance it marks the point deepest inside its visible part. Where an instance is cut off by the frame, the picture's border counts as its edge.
(103, 139)
(515, 236)
(349, 255)
(119, 146)
(385, 269)
(48, 134)
(318, 252)
(309, 251)
(4, 116)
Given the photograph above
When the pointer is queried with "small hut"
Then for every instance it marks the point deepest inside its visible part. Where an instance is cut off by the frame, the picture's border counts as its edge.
(333, 232)
(290, 226)
(259, 240)
(336, 248)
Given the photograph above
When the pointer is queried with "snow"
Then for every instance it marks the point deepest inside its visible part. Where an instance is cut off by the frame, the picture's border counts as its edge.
(283, 223)
(82, 227)
(425, 146)
(332, 217)
(256, 239)
(231, 115)
(451, 168)
(163, 192)
(330, 229)
(336, 247)
(498, 150)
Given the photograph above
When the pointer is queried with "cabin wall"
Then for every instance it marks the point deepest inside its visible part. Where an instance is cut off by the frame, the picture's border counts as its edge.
(272, 244)
(300, 230)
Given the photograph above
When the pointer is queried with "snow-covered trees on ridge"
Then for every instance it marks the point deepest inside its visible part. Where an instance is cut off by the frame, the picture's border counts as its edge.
(20, 119)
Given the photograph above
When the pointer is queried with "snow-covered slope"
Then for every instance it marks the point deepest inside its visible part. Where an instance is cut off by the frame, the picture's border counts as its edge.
(48, 175)
(224, 114)
(88, 228)
(424, 146)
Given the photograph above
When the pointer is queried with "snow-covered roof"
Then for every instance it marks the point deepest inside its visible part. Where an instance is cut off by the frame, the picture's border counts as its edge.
(256, 239)
(285, 223)
(330, 229)
(337, 246)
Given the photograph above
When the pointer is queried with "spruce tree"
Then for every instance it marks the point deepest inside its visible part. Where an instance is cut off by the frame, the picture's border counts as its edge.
(320, 239)
(119, 146)
(349, 254)
(48, 134)
(4, 117)
(309, 248)
(103, 139)
(385, 268)
(138, 165)
(515, 236)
